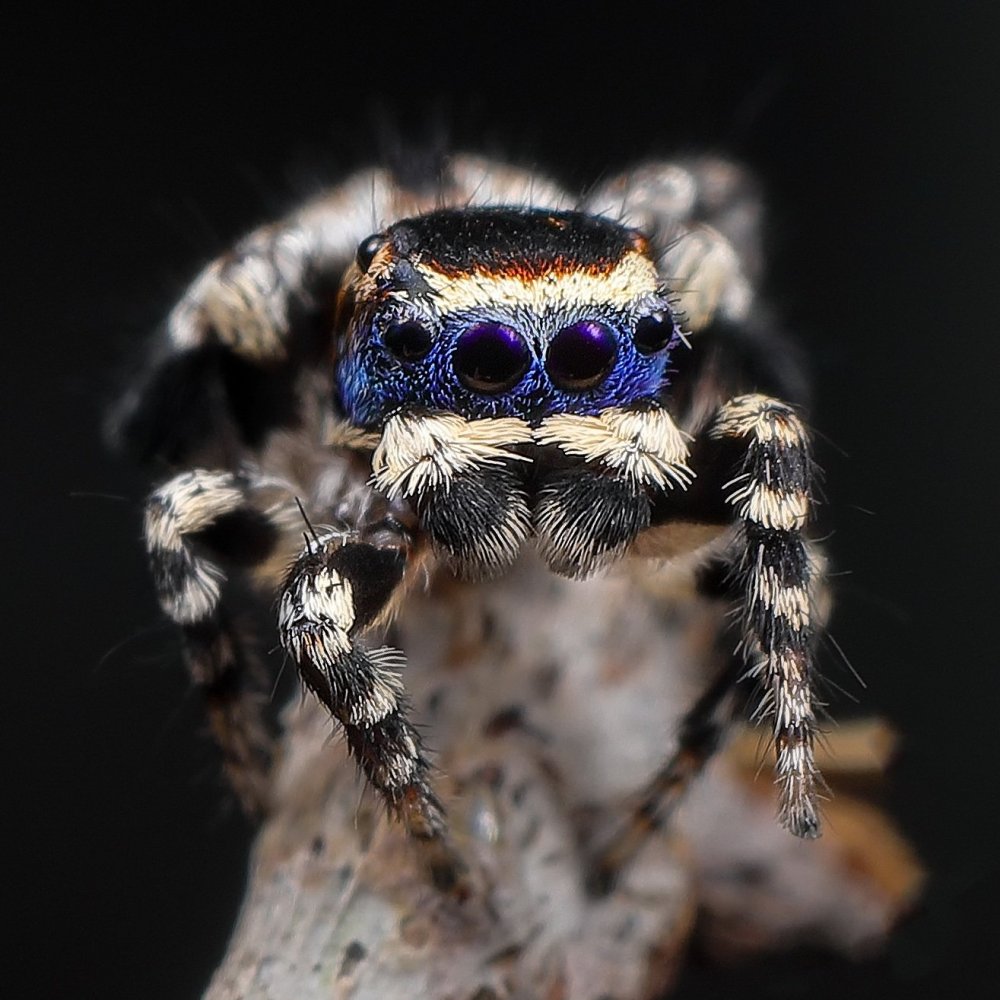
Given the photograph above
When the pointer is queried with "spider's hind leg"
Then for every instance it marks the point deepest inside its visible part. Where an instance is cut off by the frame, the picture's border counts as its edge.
(699, 734)
(194, 523)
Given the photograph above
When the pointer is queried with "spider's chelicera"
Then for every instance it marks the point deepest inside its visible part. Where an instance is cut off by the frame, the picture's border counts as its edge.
(513, 374)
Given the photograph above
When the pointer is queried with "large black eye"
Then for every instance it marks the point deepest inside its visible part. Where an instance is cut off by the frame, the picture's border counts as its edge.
(581, 355)
(490, 357)
(653, 333)
(408, 341)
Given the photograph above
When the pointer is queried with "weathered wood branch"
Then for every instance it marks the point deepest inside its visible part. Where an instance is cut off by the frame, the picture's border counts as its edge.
(547, 703)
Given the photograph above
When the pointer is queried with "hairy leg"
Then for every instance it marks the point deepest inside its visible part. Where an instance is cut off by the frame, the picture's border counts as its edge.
(772, 581)
(337, 589)
(192, 524)
(779, 580)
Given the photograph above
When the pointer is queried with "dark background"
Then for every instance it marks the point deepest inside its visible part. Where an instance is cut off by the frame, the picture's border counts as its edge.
(139, 146)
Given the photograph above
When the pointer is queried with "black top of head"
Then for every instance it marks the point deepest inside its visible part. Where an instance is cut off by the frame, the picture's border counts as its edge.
(522, 242)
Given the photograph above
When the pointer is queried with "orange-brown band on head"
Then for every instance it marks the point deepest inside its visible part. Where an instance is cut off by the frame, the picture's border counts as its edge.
(619, 285)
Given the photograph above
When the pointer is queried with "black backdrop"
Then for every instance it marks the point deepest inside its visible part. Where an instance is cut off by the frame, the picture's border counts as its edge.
(138, 145)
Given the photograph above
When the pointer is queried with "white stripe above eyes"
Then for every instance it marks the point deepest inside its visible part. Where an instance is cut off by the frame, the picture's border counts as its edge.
(630, 280)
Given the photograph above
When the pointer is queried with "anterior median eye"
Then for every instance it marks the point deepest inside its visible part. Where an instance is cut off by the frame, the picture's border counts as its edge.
(581, 355)
(490, 357)
(408, 341)
(653, 333)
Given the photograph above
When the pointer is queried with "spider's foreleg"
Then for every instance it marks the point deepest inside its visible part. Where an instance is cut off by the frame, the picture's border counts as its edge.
(773, 580)
(336, 590)
(777, 577)
(191, 523)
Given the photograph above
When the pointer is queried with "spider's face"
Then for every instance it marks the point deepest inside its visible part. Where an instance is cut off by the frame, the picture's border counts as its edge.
(503, 313)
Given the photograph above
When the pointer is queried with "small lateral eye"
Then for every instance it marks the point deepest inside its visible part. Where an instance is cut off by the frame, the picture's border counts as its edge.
(368, 249)
(408, 341)
(653, 332)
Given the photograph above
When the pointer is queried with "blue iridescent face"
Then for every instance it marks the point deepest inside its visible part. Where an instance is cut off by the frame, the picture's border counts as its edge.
(503, 312)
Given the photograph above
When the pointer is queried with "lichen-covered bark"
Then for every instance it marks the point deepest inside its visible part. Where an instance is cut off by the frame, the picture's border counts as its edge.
(546, 702)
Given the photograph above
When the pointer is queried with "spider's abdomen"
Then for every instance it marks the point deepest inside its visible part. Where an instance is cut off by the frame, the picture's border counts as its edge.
(503, 312)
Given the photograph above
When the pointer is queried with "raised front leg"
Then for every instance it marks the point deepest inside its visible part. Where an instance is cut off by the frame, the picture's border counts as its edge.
(336, 590)
(778, 581)
(771, 580)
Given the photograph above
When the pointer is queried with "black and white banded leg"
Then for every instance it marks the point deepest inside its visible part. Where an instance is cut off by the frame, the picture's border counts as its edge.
(777, 575)
(336, 590)
(772, 581)
(192, 523)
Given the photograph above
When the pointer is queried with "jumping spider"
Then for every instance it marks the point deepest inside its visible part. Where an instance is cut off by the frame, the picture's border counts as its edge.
(496, 366)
